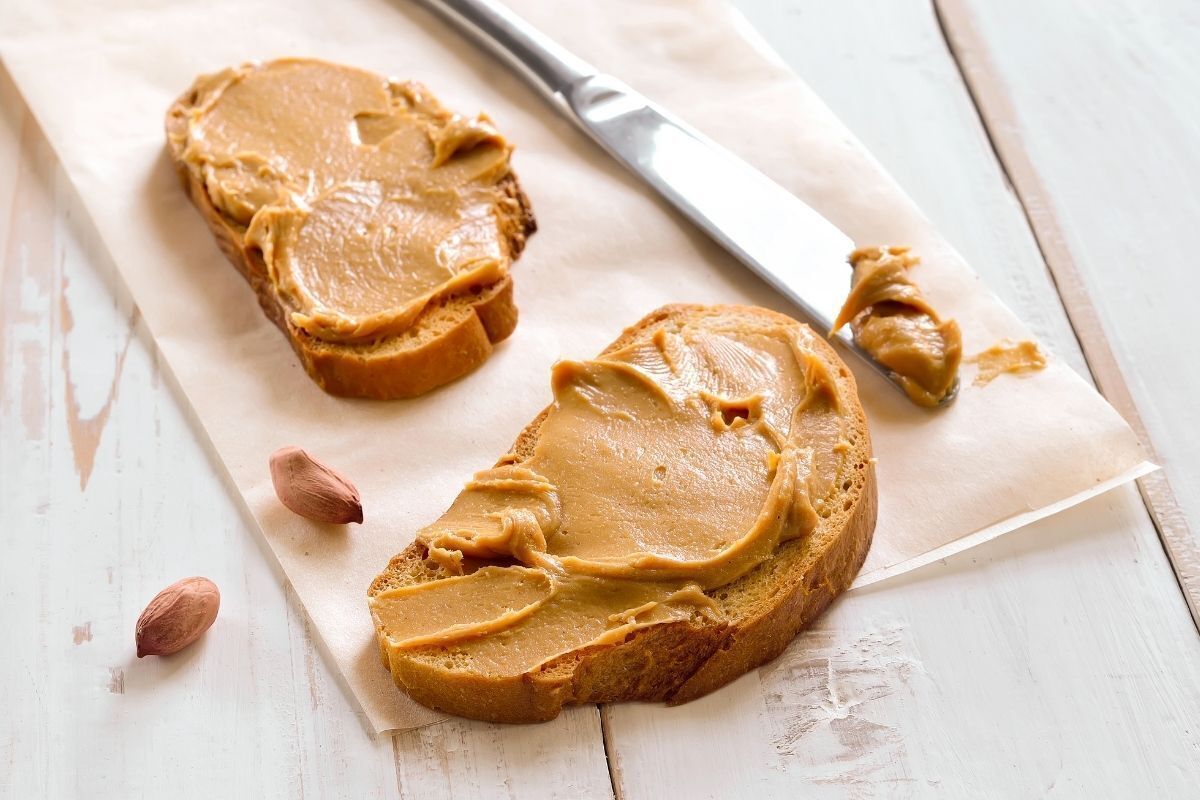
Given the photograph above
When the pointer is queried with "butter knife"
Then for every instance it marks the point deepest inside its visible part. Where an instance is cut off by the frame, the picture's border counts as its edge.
(767, 228)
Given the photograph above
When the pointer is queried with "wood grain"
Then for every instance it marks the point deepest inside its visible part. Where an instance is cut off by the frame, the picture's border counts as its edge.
(1059, 660)
(107, 494)
(1102, 151)
(1006, 671)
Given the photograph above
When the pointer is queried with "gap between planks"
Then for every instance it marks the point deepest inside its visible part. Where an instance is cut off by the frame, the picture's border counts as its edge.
(994, 108)
(995, 114)
(610, 754)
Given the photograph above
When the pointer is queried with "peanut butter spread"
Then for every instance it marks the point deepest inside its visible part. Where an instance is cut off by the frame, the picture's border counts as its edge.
(892, 320)
(1007, 356)
(366, 198)
(662, 471)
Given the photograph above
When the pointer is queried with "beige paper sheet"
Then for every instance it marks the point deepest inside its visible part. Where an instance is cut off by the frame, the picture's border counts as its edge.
(99, 76)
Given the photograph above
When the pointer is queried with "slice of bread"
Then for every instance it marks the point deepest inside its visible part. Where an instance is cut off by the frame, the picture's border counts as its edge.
(452, 336)
(675, 661)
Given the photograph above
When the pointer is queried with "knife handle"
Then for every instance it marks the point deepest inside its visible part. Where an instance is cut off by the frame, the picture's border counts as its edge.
(551, 69)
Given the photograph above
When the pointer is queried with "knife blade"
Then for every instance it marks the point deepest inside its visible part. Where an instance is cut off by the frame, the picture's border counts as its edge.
(792, 247)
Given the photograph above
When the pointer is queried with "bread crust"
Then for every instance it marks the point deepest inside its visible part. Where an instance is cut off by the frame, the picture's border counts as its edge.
(450, 338)
(677, 661)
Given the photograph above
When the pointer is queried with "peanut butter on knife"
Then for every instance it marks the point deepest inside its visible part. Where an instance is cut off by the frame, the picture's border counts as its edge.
(893, 321)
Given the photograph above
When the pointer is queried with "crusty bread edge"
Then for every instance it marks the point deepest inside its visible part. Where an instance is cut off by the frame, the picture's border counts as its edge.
(354, 371)
(676, 662)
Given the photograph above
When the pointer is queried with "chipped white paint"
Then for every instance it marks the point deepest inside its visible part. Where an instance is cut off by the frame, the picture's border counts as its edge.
(1058, 660)
(1102, 142)
(107, 494)
(822, 693)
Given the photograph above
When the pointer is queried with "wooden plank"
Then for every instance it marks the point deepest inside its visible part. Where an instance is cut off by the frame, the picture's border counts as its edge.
(1058, 659)
(106, 497)
(468, 759)
(107, 494)
(1057, 649)
(1099, 132)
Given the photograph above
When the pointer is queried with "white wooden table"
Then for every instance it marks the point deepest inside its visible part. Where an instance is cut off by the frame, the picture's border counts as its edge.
(1057, 144)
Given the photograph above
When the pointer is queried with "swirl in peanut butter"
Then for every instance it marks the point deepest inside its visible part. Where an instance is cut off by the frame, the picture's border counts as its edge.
(365, 197)
(662, 471)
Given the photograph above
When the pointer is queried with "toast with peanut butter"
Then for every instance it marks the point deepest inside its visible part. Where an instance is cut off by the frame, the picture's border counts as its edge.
(376, 227)
(691, 499)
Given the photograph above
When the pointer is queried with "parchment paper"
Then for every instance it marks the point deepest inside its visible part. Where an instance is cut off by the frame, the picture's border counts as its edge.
(99, 77)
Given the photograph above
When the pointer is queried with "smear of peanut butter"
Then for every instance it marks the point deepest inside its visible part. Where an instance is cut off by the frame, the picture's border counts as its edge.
(893, 321)
(663, 470)
(366, 198)
(1007, 356)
